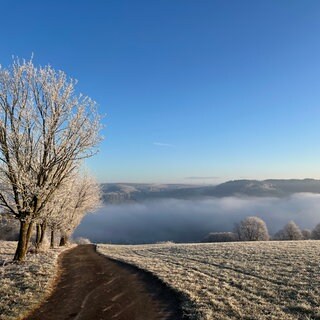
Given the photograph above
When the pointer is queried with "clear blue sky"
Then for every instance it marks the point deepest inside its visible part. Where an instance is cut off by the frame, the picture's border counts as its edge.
(209, 90)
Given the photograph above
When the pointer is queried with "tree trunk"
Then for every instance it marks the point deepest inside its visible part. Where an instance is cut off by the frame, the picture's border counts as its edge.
(29, 233)
(38, 233)
(43, 228)
(38, 236)
(52, 239)
(63, 240)
(23, 241)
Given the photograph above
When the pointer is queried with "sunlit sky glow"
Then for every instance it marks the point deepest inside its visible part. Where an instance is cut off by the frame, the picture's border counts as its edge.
(193, 91)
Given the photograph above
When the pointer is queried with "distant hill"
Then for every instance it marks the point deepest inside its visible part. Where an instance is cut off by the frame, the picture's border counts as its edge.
(134, 192)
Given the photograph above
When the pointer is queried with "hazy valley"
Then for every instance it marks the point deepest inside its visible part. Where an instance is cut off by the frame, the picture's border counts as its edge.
(148, 213)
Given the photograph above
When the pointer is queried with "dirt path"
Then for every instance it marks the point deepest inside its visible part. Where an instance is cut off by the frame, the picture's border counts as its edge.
(92, 287)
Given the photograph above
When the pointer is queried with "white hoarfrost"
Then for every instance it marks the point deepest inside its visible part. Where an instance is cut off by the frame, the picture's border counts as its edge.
(244, 280)
(25, 285)
(76, 198)
(46, 130)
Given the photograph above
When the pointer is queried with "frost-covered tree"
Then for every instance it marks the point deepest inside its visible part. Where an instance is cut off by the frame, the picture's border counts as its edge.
(45, 129)
(78, 196)
(251, 229)
(56, 209)
(316, 232)
(289, 232)
(41, 228)
(85, 198)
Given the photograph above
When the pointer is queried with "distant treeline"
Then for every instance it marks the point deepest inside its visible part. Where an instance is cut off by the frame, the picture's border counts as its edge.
(255, 229)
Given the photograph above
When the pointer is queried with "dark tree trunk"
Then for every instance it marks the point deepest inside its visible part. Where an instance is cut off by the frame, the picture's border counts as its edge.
(43, 228)
(63, 241)
(38, 233)
(52, 239)
(38, 236)
(24, 235)
(29, 233)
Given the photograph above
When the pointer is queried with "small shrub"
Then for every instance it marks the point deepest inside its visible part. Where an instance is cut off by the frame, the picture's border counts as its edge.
(165, 242)
(220, 237)
(81, 240)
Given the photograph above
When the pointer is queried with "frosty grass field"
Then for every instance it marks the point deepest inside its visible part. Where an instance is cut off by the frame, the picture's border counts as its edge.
(23, 286)
(248, 280)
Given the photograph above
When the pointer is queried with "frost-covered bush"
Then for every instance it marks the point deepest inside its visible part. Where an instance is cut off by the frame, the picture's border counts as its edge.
(289, 232)
(81, 240)
(220, 237)
(165, 242)
(251, 229)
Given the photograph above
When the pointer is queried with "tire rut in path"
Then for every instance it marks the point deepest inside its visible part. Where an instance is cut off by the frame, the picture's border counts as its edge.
(93, 287)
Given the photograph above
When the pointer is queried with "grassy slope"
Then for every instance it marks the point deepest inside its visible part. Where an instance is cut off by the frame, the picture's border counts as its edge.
(23, 286)
(256, 280)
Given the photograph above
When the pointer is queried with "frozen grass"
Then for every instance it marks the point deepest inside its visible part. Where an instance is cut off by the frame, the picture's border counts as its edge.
(23, 286)
(245, 280)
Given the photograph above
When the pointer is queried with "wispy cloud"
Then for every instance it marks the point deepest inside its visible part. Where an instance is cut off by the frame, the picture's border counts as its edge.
(202, 178)
(161, 144)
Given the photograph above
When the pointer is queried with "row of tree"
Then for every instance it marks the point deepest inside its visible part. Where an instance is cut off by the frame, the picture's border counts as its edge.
(46, 130)
(255, 229)
(74, 199)
(68, 208)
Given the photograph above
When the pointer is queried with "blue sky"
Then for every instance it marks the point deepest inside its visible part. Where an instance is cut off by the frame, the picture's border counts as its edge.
(193, 91)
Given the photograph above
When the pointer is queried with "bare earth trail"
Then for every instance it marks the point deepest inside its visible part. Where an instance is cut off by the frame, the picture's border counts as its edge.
(93, 287)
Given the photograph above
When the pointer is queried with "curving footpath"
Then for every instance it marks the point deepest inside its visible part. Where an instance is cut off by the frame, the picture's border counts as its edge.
(93, 287)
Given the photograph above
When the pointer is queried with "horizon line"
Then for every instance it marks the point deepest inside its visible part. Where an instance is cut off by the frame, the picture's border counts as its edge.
(223, 181)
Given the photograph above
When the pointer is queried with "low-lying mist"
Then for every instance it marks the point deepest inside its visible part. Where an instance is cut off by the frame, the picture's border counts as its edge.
(190, 220)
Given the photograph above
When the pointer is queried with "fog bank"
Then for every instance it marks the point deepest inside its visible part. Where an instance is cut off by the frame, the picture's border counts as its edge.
(191, 220)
